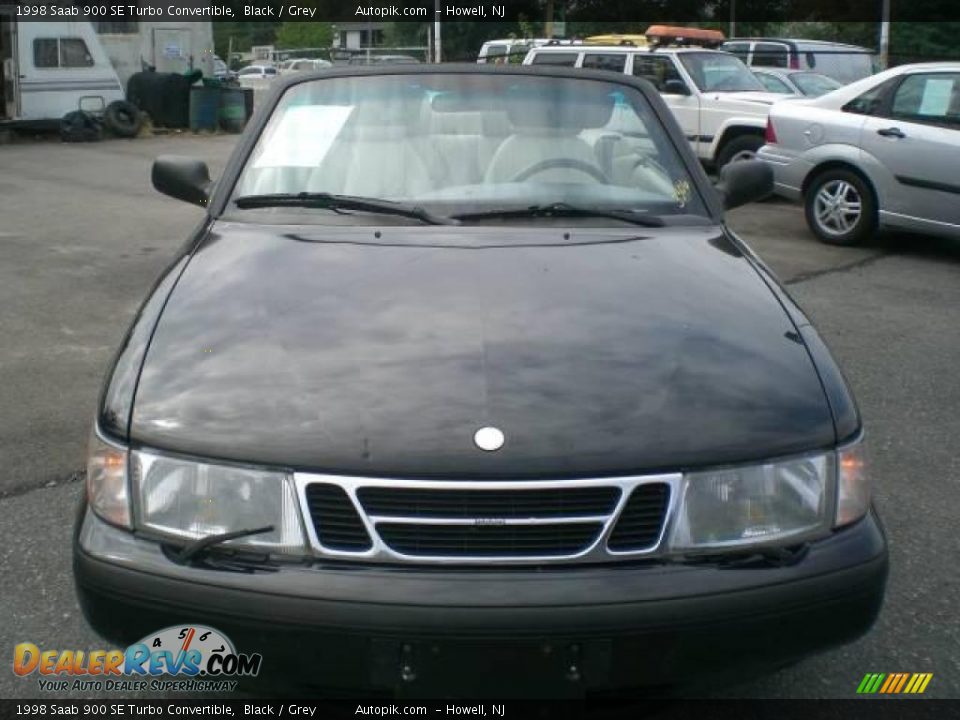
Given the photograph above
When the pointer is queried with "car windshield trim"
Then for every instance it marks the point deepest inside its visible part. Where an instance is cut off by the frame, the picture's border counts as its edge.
(329, 201)
(421, 146)
(562, 209)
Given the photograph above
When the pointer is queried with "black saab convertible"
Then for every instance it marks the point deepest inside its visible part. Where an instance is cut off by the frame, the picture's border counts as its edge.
(463, 379)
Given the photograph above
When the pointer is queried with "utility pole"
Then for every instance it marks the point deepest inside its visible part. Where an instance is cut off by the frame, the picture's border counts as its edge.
(733, 18)
(548, 25)
(437, 57)
(885, 35)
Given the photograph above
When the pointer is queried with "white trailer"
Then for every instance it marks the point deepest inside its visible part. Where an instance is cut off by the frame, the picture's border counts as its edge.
(51, 68)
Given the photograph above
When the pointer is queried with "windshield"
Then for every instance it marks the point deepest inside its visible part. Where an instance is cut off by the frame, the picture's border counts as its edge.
(719, 72)
(814, 84)
(469, 144)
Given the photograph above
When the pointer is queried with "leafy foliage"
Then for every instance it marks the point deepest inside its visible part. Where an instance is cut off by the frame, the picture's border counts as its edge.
(304, 35)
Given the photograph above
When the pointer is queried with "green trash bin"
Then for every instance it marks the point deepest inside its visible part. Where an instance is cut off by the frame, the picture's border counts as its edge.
(204, 108)
(233, 109)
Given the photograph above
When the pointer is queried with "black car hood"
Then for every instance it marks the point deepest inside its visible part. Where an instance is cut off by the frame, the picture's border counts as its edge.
(596, 352)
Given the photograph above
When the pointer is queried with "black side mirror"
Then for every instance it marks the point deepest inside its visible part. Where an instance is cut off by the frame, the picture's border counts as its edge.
(675, 87)
(183, 178)
(744, 181)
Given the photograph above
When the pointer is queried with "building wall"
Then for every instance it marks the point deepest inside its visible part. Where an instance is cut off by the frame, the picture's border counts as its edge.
(169, 46)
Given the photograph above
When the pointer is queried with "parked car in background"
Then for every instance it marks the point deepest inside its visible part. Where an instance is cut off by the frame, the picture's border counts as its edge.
(796, 82)
(261, 71)
(304, 65)
(432, 393)
(257, 76)
(720, 105)
(508, 50)
(882, 152)
(844, 63)
(221, 71)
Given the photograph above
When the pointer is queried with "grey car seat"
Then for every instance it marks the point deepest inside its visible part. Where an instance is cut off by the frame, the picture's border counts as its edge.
(545, 145)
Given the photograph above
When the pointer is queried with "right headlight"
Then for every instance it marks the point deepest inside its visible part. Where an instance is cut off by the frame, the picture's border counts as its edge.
(775, 503)
(187, 500)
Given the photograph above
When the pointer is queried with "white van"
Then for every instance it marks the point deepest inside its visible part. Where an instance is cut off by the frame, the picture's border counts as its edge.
(512, 50)
(51, 68)
(843, 63)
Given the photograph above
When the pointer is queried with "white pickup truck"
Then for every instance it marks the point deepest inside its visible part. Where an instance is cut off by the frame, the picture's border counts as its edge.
(720, 105)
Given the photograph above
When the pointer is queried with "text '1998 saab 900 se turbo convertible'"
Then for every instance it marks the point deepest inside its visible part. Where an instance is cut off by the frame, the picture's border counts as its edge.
(464, 380)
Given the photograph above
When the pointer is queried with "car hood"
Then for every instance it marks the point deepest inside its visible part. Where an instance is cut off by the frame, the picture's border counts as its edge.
(748, 98)
(595, 352)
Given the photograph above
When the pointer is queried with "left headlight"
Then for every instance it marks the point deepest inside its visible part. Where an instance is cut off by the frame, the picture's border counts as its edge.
(189, 500)
(771, 503)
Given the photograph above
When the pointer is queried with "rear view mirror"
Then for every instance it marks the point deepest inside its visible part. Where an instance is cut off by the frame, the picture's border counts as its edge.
(183, 178)
(675, 87)
(744, 181)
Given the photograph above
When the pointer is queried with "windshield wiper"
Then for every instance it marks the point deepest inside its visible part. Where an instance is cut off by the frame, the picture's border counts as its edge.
(329, 201)
(198, 548)
(562, 209)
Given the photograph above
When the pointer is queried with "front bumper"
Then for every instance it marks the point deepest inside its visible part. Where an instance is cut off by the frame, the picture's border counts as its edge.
(789, 170)
(589, 628)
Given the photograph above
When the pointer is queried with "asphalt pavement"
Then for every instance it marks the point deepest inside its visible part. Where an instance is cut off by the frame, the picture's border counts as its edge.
(83, 236)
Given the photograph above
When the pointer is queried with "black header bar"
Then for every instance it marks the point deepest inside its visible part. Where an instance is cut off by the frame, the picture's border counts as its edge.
(643, 12)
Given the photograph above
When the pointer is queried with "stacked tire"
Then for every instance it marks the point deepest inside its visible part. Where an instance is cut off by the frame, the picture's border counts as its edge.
(123, 119)
(80, 126)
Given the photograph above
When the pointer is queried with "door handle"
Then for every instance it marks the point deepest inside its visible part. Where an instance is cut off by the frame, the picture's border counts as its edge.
(891, 132)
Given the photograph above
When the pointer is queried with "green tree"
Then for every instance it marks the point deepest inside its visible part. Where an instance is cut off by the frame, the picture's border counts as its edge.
(406, 34)
(304, 35)
(923, 41)
(244, 34)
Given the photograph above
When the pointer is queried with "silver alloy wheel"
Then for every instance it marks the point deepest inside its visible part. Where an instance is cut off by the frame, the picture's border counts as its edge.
(743, 155)
(837, 208)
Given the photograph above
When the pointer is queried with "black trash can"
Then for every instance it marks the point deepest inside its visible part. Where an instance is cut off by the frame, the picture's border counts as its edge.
(233, 109)
(204, 108)
(165, 97)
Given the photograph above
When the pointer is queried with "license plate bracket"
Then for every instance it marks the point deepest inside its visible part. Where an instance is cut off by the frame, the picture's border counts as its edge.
(498, 668)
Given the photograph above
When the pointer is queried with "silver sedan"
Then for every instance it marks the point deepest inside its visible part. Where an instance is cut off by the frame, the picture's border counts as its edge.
(795, 82)
(880, 152)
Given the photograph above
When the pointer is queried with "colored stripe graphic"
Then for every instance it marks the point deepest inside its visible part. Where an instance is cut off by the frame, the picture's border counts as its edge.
(891, 681)
(903, 680)
(894, 683)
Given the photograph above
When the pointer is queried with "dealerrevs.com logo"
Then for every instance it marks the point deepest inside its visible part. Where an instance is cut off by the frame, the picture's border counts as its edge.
(198, 658)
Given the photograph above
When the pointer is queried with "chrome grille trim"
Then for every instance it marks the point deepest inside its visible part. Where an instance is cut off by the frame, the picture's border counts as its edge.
(556, 520)
(380, 552)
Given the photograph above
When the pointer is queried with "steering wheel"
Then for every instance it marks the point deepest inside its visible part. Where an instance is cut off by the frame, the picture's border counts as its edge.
(563, 164)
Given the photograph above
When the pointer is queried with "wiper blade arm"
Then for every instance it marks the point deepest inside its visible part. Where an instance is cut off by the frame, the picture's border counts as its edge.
(200, 547)
(329, 201)
(561, 209)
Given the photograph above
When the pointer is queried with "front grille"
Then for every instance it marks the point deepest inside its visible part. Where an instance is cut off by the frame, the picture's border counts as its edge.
(489, 540)
(384, 520)
(335, 520)
(438, 503)
(642, 519)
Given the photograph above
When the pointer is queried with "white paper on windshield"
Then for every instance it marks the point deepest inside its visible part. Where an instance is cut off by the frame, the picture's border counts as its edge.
(303, 136)
(936, 96)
